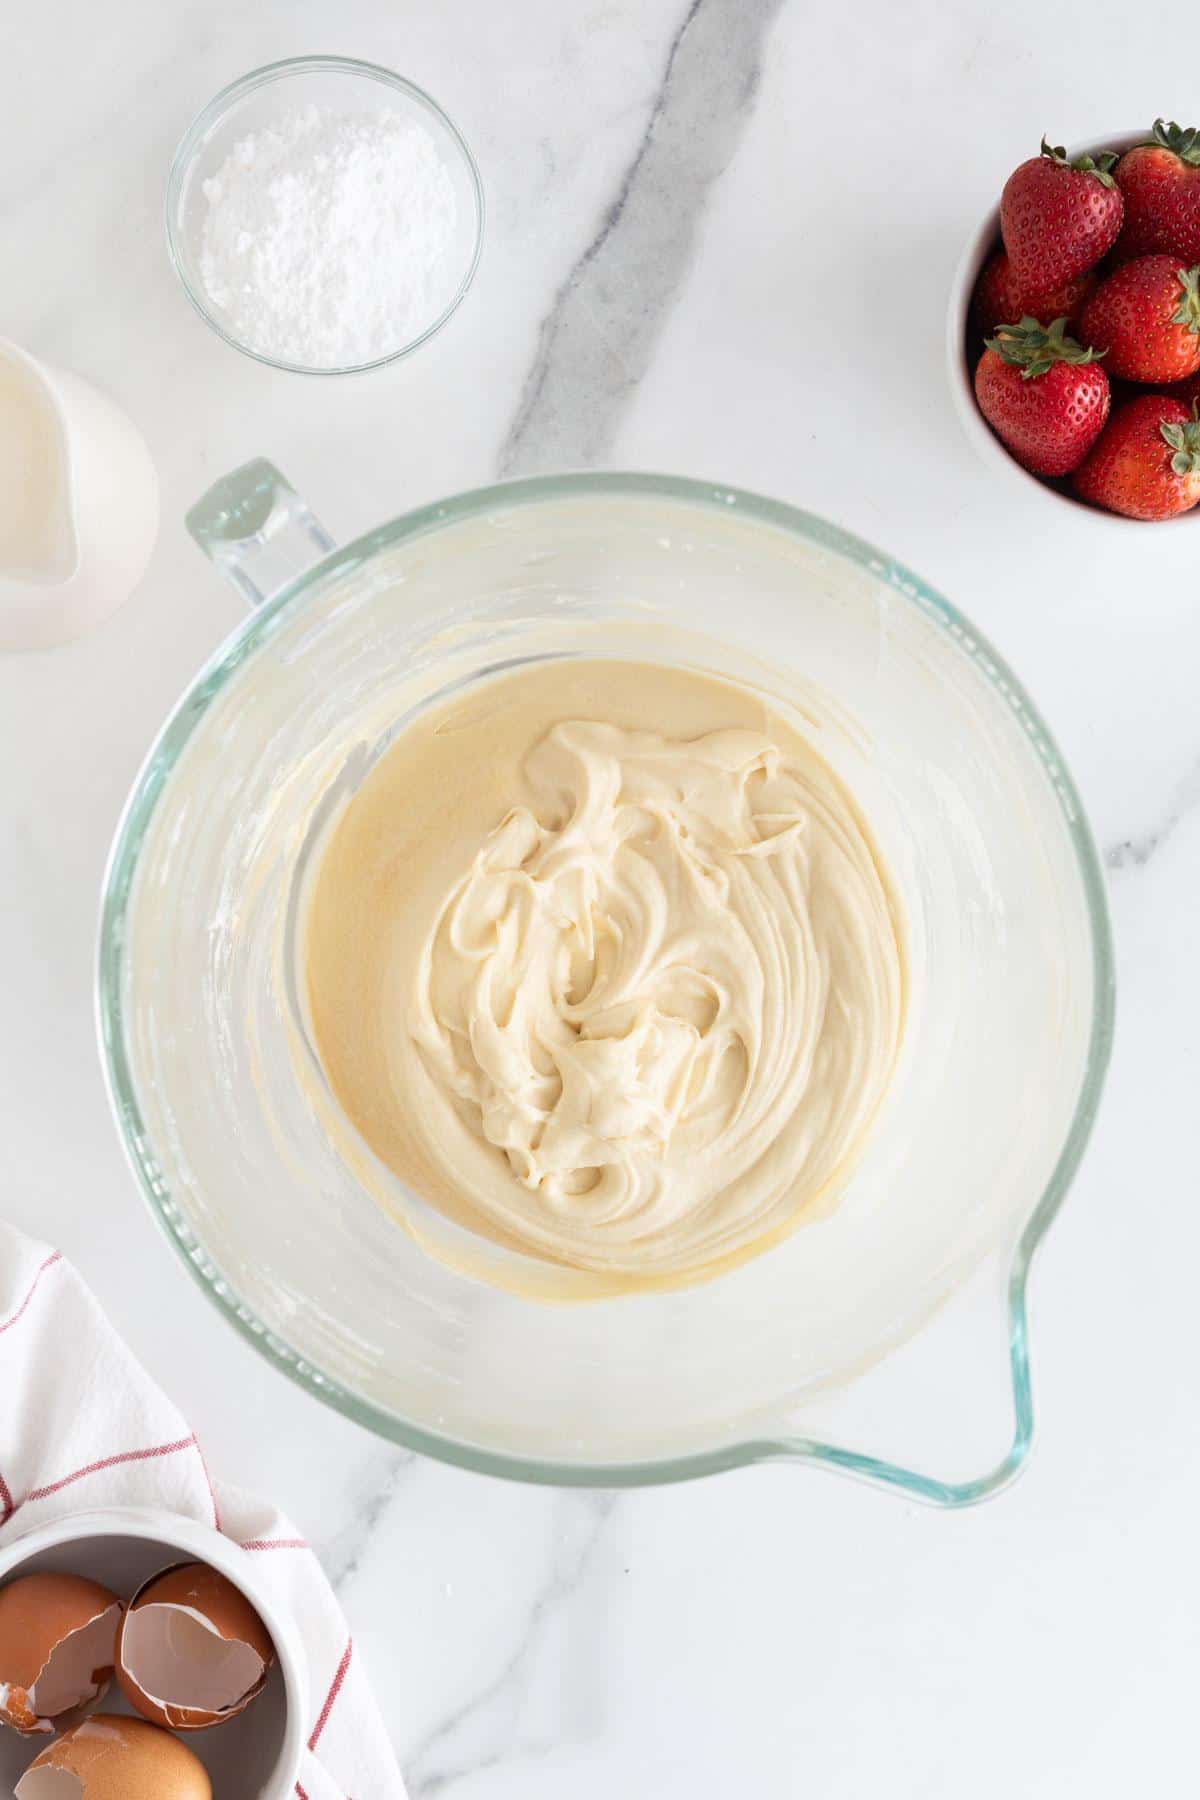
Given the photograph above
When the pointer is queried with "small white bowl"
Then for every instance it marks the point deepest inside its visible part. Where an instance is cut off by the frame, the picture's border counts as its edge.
(982, 243)
(253, 1757)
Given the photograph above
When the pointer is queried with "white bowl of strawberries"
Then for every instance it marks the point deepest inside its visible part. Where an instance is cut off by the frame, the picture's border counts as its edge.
(1074, 325)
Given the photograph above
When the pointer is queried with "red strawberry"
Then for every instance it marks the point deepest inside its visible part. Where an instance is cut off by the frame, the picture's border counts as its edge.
(1057, 217)
(1001, 300)
(1042, 394)
(1160, 183)
(1147, 462)
(1146, 314)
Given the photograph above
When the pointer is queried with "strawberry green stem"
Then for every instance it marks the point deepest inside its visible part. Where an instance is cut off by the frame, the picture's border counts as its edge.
(1188, 311)
(1184, 440)
(1034, 348)
(1184, 144)
(1100, 166)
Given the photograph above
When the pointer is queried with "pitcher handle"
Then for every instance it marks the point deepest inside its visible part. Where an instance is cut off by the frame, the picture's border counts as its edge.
(253, 525)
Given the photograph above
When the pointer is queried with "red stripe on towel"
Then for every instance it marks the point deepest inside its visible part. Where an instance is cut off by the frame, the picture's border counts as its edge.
(334, 1690)
(108, 1462)
(49, 1263)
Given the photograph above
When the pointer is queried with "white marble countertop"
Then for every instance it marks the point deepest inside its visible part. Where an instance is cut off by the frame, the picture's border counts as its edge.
(720, 238)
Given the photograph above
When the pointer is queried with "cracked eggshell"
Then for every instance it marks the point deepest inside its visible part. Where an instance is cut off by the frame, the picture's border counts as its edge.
(192, 1652)
(58, 1636)
(110, 1758)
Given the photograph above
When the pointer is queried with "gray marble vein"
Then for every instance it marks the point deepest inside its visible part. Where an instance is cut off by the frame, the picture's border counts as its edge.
(342, 1556)
(1136, 852)
(596, 341)
(482, 1732)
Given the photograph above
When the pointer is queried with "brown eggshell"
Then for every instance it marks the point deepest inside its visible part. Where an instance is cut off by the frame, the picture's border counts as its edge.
(196, 1589)
(115, 1759)
(39, 1615)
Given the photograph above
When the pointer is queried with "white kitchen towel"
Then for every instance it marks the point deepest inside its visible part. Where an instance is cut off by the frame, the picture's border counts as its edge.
(83, 1426)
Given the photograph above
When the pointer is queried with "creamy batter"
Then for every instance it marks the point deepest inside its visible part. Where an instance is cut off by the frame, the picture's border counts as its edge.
(601, 960)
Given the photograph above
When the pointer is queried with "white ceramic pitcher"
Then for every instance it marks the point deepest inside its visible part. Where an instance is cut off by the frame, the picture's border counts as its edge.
(78, 504)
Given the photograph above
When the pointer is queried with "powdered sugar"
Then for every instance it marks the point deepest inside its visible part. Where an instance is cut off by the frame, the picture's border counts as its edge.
(328, 237)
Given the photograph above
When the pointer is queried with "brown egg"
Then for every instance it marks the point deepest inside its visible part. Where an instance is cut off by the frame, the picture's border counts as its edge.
(192, 1651)
(107, 1758)
(57, 1647)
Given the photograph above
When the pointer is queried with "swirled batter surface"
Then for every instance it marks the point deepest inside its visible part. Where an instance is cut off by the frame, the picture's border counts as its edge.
(602, 961)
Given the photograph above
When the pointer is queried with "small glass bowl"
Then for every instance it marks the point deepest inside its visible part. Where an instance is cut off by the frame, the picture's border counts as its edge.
(257, 100)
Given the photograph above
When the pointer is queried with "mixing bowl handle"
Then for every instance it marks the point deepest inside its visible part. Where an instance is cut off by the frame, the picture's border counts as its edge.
(257, 530)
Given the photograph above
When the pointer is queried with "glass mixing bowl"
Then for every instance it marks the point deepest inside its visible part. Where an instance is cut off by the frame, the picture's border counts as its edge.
(887, 1339)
